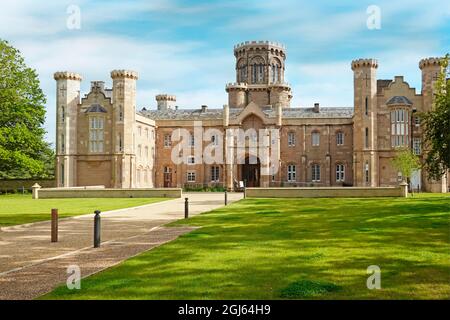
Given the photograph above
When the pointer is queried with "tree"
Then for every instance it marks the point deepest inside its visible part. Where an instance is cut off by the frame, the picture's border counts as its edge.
(437, 127)
(23, 150)
(406, 162)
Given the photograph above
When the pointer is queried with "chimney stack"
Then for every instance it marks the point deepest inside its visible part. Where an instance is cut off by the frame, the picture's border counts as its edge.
(316, 107)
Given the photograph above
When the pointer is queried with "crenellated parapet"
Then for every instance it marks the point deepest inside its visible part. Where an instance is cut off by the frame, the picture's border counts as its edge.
(127, 74)
(236, 86)
(67, 75)
(261, 45)
(430, 62)
(166, 97)
(364, 63)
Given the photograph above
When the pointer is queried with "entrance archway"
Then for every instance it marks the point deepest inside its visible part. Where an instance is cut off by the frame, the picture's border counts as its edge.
(251, 173)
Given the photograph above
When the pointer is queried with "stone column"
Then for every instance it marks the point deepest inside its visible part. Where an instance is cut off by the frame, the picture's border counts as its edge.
(404, 189)
(35, 188)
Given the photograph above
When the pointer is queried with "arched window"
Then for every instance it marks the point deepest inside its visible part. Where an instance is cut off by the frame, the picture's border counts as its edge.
(63, 114)
(366, 138)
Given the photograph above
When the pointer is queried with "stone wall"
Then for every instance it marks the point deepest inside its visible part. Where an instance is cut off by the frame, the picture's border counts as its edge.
(55, 193)
(336, 192)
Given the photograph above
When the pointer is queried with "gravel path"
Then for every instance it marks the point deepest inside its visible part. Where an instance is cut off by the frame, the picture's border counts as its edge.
(30, 265)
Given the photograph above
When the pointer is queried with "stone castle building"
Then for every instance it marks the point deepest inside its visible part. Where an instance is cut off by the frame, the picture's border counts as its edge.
(103, 140)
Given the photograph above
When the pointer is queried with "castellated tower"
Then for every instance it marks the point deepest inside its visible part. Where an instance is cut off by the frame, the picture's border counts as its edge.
(431, 67)
(365, 157)
(124, 106)
(260, 67)
(67, 100)
(166, 102)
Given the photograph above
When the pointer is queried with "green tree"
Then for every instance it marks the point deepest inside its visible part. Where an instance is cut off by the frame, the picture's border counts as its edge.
(437, 126)
(406, 162)
(23, 150)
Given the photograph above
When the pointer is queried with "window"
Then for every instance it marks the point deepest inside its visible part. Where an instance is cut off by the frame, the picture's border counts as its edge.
(243, 74)
(315, 173)
(138, 176)
(62, 173)
(146, 133)
(291, 173)
(153, 152)
(366, 138)
(167, 140)
(340, 138)
(215, 174)
(191, 176)
(145, 176)
(215, 140)
(153, 134)
(367, 106)
(139, 131)
(96, 131)
(119, 139)
(192, 140)
(315, 137)
(146, 152)
(63, 144)
(191, 160)
(417, 121)
(340, 173)
(120, 113)
(417, 146)
(291, 139)
(399, 128)
(63, 114)
(258, 73)
(140, 150)
(366, 172)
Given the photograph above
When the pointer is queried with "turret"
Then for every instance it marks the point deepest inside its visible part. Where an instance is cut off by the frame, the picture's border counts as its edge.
(365, 121)
(124, 105)
(431, 67)
(67, 100)
(166, 101)
(260, 67)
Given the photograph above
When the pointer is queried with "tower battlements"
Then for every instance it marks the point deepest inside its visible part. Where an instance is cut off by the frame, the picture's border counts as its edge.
(360, 63)
(67, 75)
(124, 74)
(430, 62)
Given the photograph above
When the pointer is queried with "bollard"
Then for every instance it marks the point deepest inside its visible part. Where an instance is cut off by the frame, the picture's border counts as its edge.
(226, 197)
(186, 208)
(97, 229)
(54, 234)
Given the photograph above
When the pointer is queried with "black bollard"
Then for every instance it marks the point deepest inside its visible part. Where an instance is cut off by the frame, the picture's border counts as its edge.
(186, 208)
(226, 197)
(97, 229)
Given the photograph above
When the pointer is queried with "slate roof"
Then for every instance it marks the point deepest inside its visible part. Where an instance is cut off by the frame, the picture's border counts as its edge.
(215, 114)
(95, 108)
(399, 100)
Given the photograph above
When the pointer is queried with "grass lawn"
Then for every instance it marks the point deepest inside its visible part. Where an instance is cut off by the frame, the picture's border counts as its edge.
(19, 209)
(292, 249)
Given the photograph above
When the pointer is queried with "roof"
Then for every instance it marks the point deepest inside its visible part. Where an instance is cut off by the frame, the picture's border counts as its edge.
(95, 108)
(382, 84)
(216, 114)
(399, 100)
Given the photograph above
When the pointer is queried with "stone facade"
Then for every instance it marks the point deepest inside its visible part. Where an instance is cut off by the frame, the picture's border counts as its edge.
(103, 140)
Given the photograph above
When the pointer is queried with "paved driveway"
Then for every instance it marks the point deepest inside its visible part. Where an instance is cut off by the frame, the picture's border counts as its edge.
(30, 265)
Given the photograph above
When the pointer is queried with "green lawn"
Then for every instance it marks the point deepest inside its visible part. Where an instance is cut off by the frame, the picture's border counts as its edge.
(19, 209)
(293, 249)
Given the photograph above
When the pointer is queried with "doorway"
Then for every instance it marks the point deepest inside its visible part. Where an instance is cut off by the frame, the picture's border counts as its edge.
(251, 173)
(167, 177)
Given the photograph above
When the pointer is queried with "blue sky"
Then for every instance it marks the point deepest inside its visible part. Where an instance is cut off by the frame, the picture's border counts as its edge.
(186, 47)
